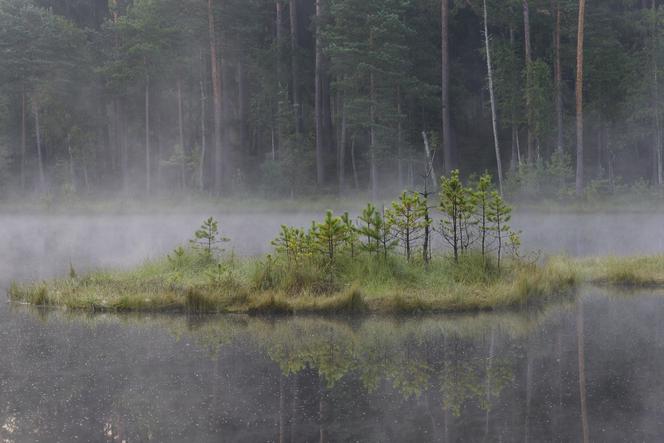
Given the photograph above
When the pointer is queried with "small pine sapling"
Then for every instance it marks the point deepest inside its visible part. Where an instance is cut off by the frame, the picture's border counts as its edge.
(482, 197)
(407, 217)
(369, 229)
(499, 215)
(208, 237)
(330, 234)
(351, 234)
(456, 206)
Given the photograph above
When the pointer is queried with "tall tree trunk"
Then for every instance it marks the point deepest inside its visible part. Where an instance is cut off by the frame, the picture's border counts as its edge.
(558, 79)
(342, 146)
(445, 88)
(399, 141)
(201, 165)
(147, 135)
(40, 157)
(295, 67)
(278, 68)
(656, 113)
(216, 93)
(320, 142)
(529, 61)
(372, 138)
(183, 161)
(514, 158)
(72, 175)
(494, 118)
(579, 98)
(353, 158)
(24, 136)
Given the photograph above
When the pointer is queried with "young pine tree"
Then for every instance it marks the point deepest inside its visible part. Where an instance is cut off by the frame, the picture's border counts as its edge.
(369, 230)
(499, 215)
(456, 206)
(330, 234)
(208, 237)
(482, 197)
(407, 217)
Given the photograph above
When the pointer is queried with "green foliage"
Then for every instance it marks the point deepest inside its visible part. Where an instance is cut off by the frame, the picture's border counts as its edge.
(407, 219)
(208, 238)
(457, 204)
(330, 234)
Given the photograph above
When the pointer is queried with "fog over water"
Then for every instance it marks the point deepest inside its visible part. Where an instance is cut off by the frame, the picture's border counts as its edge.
(42, 246)
(518, 376)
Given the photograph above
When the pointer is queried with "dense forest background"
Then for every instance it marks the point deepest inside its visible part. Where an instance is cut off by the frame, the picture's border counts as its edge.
(298, 97)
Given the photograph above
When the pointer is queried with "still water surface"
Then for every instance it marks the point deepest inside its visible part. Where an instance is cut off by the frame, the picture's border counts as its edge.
(587, 369)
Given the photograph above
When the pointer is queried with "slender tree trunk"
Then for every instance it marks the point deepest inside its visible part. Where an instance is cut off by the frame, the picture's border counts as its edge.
(72, 175)
(372, 136)
(656, 113)
(558, 79)
(217, 104)
(183, 162)
(320, 143)
(514, 158)
(356, 182)
(40, 157)
(399, 141)
(342, 146)
(278, 68)
(147, 135)
(579, 99)
(295, 67)
(201, 165)
(24, 136)
(494, 118)
(529, 60)
(445, 87)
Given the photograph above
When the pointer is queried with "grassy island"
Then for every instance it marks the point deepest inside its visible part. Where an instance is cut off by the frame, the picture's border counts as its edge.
(382, 261)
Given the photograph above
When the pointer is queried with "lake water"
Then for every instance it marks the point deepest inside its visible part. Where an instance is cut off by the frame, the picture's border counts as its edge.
(586, 369)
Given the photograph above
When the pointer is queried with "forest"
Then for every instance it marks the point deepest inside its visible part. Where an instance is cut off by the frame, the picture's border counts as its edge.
(293, 98)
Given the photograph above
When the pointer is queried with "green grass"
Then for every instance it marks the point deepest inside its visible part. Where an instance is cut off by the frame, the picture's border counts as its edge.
(624, 271)
(192, 282)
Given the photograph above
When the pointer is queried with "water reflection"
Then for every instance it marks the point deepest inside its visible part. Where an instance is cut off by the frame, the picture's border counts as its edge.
(574, 372)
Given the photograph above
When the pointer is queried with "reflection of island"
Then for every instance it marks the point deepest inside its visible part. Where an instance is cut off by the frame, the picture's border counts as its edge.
(483, 377)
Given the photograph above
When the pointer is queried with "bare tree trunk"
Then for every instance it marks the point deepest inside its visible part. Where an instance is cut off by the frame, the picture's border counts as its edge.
(147, 135)
(579, 98)
(494, 117)
(430, 171)
(72, 175)
(656, 113)
(354, 163)
(320, 143)
(217, 111)
(445, 87)
(183, 163)
(342, 147)
(40, 157)
(399, 141)
(558, 79)
(529, 60)
(514, 159)
(372, 146)
(295, 67)
(278, 68)
(24, 137)
(201, 165)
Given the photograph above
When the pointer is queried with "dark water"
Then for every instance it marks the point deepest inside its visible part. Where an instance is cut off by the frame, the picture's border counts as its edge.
(490, 377)
(587, 369)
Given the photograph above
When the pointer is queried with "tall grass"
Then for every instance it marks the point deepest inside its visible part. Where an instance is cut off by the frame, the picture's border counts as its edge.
(191, 282)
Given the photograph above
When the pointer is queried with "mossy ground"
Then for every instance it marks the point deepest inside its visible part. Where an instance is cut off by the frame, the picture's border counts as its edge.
(192, 282)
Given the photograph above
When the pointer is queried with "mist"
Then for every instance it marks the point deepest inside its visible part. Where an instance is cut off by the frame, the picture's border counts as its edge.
(331, 220)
